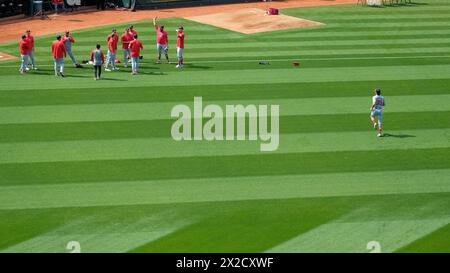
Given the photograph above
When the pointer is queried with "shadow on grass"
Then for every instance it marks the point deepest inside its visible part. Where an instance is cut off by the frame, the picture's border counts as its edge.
(197, 66)
(400, 5)
(112, 79)
(398, 135)
(149, 73)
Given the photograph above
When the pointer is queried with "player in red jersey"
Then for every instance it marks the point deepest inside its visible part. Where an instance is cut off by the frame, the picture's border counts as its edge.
(24, 48)
(58, 53)
(135, 51)
(162, 42)
(113, 40)
(30, 40)
(126, 39)
(132, 31)
(180, 46)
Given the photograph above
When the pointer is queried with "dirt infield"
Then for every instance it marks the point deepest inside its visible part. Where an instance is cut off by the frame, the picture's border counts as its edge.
(11, 30)
(4, 56)
(252, 20)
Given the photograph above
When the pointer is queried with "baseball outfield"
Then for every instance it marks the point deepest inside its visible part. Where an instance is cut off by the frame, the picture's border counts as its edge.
(94, 161)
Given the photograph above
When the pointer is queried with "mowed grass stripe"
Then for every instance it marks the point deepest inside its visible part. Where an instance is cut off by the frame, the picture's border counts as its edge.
(154, 111)
(83, 150)
(376, 17)
(117, 238)
(259, 221)
(287, 45)
(431, 243)
(246, 76)
(225, 63)
(325, 51)
(279, 63)
(195, 41)
(221, 166)
(305, 50)
(311, 49)
(222, 189)
(390, 20)
(70, 96)
(263, 45)
(35, 132)
(353, 237)
(357, 35)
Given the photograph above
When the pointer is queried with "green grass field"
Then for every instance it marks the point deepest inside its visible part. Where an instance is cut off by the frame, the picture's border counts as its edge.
(94, 161)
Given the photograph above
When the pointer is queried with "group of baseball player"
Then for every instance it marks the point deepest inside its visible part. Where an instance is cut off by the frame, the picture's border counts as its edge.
(131, 47)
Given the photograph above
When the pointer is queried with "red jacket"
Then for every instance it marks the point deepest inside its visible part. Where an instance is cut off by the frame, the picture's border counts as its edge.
(113, 40)
(24, 47)
(30, 40)
(58, 50)
(135, 48)
(126, 39)
(64, 38)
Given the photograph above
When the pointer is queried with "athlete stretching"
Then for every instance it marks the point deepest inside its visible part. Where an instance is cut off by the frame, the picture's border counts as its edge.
(162, 43)
(377, 110)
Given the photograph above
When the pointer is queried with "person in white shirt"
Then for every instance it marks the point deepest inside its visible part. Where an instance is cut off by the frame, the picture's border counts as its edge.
(376, 110)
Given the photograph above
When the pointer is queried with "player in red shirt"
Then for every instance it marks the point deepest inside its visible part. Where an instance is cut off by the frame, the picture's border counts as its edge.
(113, 40)
(126, 39)
(132, 31)
(162, 42)
(180, 46)
(135, 51)
(68, 40)
(58, 53)
(24, 50)
(30, 40)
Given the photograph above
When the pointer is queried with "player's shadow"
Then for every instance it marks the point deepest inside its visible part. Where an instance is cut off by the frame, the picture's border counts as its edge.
(194, 66)
(400, 5)
(398, 135)
(152, 73)
(112, 79)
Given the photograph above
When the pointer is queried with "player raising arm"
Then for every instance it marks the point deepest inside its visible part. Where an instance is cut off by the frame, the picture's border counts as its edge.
(162, 42)
(376, 110)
